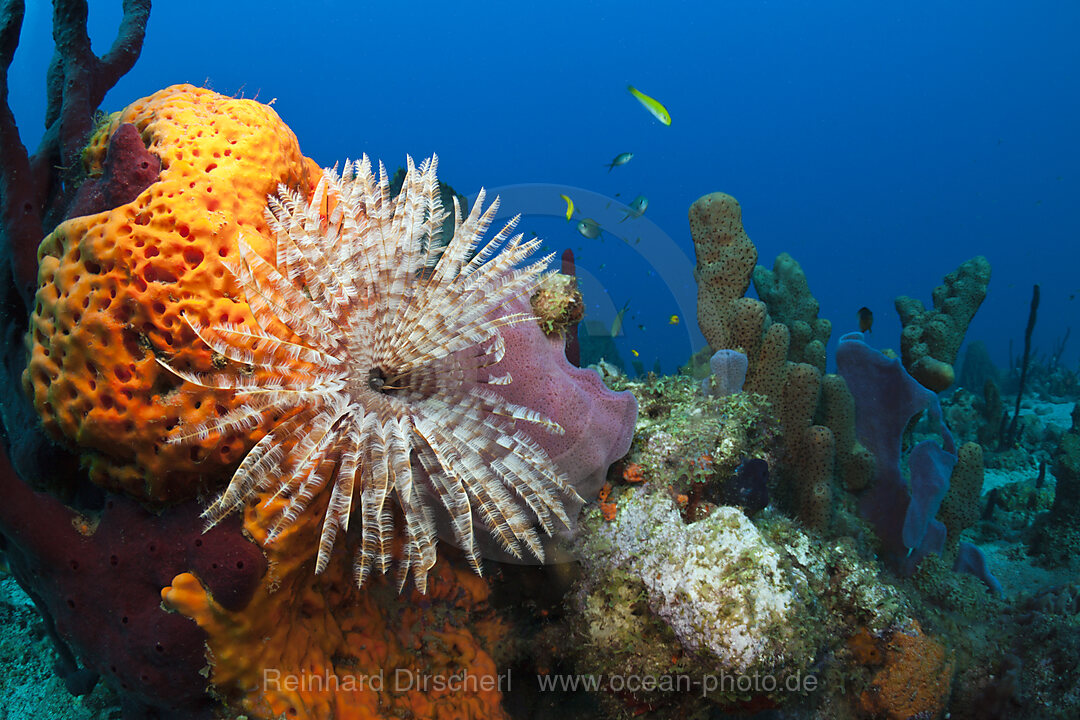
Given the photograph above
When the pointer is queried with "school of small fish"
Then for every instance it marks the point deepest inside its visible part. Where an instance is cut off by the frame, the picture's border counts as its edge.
(591, 229)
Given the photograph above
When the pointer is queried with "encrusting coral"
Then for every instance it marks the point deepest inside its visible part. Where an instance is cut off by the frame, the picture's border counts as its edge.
(723, 596)
(695, 442)
(557, 303)
(716, 573)
(914, 678)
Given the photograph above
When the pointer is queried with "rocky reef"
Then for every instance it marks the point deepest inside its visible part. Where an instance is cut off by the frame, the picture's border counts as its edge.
(757, 537)
(102, 525)
(870, 568)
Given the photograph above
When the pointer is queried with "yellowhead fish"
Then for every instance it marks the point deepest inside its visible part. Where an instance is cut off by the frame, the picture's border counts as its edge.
(653, 106)
(569, 206)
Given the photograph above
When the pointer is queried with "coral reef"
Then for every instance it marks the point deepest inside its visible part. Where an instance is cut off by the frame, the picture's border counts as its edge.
(1057, 536)
(725, 261)
(721, 596)
(125, 288)
(693, 442)
(773, 539)
(931, 339)
(717, 573)
(949, 647)
(865, 463)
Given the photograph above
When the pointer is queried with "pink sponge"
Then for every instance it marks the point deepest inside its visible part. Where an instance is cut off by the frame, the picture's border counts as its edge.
(599, 423)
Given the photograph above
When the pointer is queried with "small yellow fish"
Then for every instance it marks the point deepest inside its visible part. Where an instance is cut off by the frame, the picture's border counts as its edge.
(673, 320)
(569, 206)
(653, 106)
(636, 353)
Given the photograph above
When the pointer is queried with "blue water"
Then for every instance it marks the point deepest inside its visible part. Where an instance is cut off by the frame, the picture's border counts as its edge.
(881, 144)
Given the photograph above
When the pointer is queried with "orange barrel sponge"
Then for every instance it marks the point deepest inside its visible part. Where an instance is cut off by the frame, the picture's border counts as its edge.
(114, 288)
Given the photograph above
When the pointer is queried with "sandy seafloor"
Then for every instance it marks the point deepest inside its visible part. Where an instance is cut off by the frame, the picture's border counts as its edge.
(1007, 559)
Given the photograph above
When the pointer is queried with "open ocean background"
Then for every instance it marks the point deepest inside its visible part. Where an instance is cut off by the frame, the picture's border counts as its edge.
(881, 144)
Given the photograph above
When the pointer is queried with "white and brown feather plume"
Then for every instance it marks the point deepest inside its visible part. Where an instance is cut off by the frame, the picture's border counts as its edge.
(371, 350)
